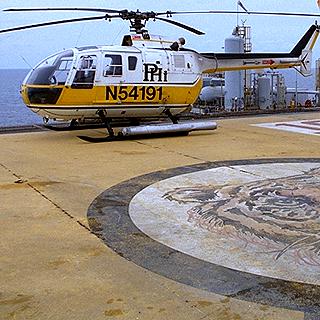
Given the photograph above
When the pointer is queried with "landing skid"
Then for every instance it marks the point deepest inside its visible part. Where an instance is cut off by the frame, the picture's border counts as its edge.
(74, 128)
(156, 130)
(94, 124)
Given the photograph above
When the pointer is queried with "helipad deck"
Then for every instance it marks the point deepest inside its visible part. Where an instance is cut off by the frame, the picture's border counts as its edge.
(216, 225)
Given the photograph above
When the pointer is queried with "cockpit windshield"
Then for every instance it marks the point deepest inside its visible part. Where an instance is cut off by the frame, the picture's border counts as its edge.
(52, 71)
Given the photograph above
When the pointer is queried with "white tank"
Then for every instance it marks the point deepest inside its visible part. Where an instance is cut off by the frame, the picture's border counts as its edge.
(234, 80)
(264, 93)
(210, 94)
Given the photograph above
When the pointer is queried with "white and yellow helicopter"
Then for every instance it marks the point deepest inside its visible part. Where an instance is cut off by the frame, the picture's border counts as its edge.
(146, 76)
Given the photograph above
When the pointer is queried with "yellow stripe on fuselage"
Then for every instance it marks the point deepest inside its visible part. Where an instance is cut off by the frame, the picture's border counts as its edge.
(116, 95)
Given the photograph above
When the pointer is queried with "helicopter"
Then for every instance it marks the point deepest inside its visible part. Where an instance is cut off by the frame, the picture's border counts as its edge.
(146, 76)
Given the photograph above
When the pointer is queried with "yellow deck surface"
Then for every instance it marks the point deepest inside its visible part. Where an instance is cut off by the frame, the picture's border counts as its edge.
(53, 267)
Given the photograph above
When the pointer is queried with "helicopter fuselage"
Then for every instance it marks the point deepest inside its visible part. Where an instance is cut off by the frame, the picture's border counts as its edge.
(125, 81)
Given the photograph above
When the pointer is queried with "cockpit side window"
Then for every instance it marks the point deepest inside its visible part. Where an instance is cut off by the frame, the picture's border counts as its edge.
(60, 75)
(112, 65)
(86, 71)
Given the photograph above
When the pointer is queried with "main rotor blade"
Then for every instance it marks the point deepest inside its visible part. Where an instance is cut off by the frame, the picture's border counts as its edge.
(267, 13)
(54, 22)
(181, 25)
(63, 9)
(168, 13)
(289, 14)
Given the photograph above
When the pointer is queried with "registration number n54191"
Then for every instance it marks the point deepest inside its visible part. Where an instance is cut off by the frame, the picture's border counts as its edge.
(135, 93)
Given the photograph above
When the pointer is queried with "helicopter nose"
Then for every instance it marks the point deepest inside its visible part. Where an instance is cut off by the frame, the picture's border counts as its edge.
(24, 95)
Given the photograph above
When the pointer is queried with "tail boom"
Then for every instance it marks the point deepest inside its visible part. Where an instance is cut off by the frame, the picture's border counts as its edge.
(299, 56)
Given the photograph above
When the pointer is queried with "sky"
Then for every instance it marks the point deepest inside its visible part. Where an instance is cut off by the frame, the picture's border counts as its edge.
(22, 49)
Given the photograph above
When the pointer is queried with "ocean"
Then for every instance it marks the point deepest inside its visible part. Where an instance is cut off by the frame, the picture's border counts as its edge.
(13, 112)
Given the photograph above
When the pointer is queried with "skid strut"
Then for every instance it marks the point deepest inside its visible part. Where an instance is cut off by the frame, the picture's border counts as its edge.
(168, 113)
(105, 120)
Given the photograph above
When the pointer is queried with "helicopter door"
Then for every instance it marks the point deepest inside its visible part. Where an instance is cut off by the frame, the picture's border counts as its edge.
(86, 71)
(155, 67)
(122, 68)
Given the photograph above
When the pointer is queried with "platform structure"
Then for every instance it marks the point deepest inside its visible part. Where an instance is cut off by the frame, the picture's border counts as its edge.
(214, 225)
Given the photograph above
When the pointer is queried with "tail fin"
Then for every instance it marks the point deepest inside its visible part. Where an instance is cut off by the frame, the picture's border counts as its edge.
(311, 34)
(303, 49)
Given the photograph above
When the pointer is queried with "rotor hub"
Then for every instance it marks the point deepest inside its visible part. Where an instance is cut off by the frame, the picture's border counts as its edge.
(137, 19)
